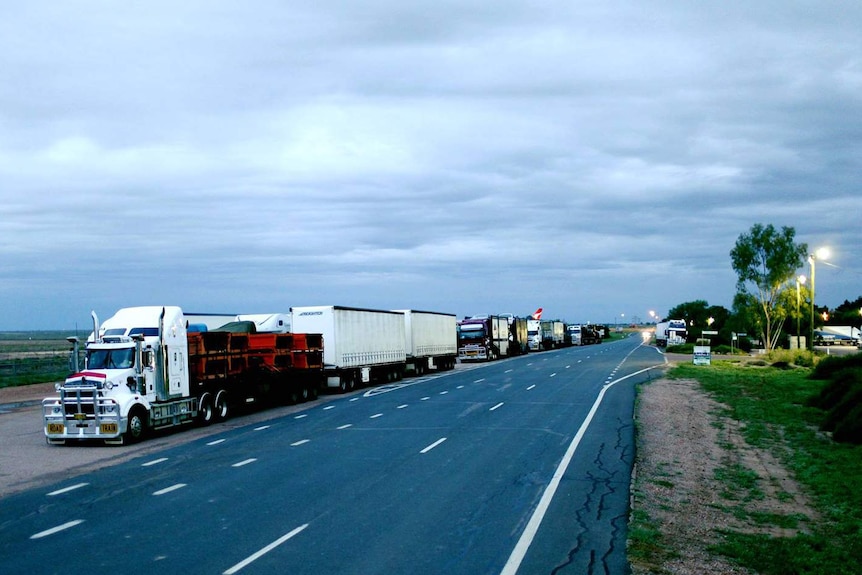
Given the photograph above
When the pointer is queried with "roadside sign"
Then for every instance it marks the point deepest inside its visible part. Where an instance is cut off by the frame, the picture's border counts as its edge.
(702, 355)
(709, 332)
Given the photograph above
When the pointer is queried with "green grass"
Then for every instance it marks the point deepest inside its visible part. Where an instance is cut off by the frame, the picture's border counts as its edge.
(772, 404)
(33, 357)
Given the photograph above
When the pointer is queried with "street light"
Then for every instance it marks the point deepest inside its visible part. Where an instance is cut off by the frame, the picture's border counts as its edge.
(800, 281)
(821, 254)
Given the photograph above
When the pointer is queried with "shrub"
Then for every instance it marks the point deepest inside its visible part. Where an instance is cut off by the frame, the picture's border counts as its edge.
(828, 366)
(849, 428)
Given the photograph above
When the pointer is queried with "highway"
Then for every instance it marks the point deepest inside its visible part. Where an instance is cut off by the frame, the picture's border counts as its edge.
(517, 466)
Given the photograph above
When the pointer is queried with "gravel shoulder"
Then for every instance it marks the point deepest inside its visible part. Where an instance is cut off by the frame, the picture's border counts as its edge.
(684, 441)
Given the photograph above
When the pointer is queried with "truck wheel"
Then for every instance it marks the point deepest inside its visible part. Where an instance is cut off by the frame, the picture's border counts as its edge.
(206, 413)
(312, 390)
(303, 394)
(343, 382)
(221, 405)
(136, 428)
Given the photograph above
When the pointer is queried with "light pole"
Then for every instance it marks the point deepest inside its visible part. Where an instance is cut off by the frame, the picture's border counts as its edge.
(800, 281)
(820, 254)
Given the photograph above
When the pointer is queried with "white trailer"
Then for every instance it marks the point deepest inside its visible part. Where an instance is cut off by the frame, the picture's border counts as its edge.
(360, 346)
(431, 340)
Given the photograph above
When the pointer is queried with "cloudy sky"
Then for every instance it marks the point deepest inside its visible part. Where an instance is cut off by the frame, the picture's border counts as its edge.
(593, 158)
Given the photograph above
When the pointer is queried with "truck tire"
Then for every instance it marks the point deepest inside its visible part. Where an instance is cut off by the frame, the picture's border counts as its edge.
(222, 410)
(206, 412)
(136, 429)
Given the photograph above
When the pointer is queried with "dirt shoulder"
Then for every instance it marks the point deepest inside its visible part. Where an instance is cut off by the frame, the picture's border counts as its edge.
(687, 448)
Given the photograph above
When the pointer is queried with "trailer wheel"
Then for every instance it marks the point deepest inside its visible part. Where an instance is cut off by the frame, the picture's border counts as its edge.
(312, 389)
(221, 406)
(206, 412)
(136, 428)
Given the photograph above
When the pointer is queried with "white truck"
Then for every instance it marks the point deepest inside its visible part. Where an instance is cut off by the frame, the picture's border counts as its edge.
(534, 334)
(145, 370)
(360, 345)
(670, 332)
(431, 340)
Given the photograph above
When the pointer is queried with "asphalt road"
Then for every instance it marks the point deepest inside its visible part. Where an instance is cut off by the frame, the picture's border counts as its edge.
(521, 465)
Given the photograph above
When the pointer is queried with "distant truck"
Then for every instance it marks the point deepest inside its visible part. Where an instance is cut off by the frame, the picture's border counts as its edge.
(432, 340)
(534, 334)
(483, 338)
(553, 334)
(670, 332)
(518, 340)
(145, 370)
(837, 334)
(583, 334)
(361, 346)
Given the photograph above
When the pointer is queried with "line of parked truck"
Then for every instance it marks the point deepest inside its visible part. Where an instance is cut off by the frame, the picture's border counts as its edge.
(490, 337)
(149, 368)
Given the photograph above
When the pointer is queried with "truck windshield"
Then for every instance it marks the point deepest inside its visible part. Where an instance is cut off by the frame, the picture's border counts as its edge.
(111, 358)
(471, 335)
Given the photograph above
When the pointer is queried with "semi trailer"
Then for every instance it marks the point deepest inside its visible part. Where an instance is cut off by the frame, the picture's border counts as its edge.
(553, 334)
(361, 346)
(431, 340)
(144, 370)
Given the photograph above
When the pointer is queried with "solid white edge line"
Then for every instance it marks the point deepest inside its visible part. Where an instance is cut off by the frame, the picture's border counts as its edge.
(56, 529)
(433, 445)
(520, 550)
(67, 489)
(265, 550)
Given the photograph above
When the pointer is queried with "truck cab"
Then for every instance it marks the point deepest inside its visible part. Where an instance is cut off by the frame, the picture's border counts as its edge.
(136, 359)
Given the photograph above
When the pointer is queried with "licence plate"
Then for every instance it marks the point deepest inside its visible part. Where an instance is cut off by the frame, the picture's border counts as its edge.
(108, 428)
(56, 428)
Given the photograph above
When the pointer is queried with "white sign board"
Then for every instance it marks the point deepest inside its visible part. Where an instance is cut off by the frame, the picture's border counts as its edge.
(702, 355)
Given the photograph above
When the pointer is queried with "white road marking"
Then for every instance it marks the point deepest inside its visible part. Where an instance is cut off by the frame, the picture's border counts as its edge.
(261, 428)
(433, 445)
(499, 405)
(402, 406)
(301, 416)
(345, 426)
(216, 442)
(56, 529)
(460, 387)
(244, 462)
(154, 462)
(425, 399)
(531, 387)
(479, 380)
(300, 442)
(376, 415)
(443, 392)
(169, 489)
(328, 407)
(265, 550)
(526, 539)
(67, 489)
(509, 371)
(554, 374)
(354, 399)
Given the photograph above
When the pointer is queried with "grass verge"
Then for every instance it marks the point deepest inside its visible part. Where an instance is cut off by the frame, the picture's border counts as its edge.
(771, 406)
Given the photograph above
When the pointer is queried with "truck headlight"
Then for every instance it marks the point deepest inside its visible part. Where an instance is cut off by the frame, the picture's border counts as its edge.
(56, 410)
(57, 386)
(109, 385)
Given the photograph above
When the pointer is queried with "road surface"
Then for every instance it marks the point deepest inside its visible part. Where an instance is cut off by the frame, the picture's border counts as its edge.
(516, 466)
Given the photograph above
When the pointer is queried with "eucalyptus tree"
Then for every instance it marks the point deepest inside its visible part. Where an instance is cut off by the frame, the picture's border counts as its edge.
(765, 261)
